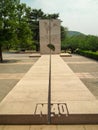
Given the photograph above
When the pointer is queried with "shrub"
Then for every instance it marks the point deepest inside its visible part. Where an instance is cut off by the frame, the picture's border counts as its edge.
(90, 54)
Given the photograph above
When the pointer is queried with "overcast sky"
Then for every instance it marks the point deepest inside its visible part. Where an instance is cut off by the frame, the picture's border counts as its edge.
(77, 15)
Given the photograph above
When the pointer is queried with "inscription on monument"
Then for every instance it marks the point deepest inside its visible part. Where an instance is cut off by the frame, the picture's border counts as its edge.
(56, 109)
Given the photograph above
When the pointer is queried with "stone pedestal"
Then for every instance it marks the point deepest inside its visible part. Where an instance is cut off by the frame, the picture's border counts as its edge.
(50, 33)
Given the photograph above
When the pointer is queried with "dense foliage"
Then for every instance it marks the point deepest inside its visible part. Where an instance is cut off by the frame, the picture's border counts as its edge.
(19, 29)
(14, 28)
(90, 54)
(82, 42)
(19, 25)
(34, 17)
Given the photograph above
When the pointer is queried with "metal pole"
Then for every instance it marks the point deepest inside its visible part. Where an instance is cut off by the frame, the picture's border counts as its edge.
(49, 87)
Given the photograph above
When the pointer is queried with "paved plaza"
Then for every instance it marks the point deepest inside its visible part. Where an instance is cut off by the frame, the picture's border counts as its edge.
(85, 70)
(16, 65)
(12, 70)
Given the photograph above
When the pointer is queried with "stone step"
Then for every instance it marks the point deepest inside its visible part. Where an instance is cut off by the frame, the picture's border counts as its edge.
(41, 120)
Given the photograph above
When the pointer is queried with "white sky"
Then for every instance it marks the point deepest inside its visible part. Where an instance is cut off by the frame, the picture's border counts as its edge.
(77, 15)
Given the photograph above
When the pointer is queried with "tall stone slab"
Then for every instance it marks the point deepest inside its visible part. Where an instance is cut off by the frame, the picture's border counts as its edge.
(50, 32)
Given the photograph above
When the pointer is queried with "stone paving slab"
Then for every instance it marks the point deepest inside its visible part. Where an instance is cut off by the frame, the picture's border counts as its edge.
(6, 86)
(9, 127)
(86, 69)
(11, 76)
(14, 68)
(52, 127)
(32, 89)
(11, 71)
(35, 55)
(27, 92)
(65, 55)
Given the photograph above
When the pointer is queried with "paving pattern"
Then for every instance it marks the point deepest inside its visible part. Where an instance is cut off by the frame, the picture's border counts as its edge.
(86, 69)
(88, 76)
(30, 95)
(12, 70)
(16, 65)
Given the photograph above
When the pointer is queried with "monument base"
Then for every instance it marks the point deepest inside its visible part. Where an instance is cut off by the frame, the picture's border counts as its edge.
(42, 120)
(65, 55)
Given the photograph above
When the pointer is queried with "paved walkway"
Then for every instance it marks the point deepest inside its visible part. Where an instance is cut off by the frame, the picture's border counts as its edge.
(68, 92)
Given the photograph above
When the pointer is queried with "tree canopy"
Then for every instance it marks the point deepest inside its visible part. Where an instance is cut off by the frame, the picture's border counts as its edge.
(19, 29)
(19, 25)
(83, 42)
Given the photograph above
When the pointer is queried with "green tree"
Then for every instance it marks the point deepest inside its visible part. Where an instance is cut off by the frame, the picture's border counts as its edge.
(64, 31)
(35, 16)
(93, 43)
(83, 42)
(7, 18)
(24, 34)
(52, 16)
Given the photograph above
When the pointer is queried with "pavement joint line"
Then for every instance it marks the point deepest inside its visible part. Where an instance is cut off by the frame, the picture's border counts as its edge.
(58, 66)
(17, 63)
(11, 76)
(85, 75)
(75, 73)
(81, 62)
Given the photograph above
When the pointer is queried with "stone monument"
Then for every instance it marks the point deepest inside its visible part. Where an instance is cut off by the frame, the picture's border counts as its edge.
(50, 33)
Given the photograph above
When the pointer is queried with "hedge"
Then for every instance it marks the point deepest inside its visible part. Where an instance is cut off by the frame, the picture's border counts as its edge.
(90, 54)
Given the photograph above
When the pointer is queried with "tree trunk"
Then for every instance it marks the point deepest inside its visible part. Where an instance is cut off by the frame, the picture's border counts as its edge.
(1, 58)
